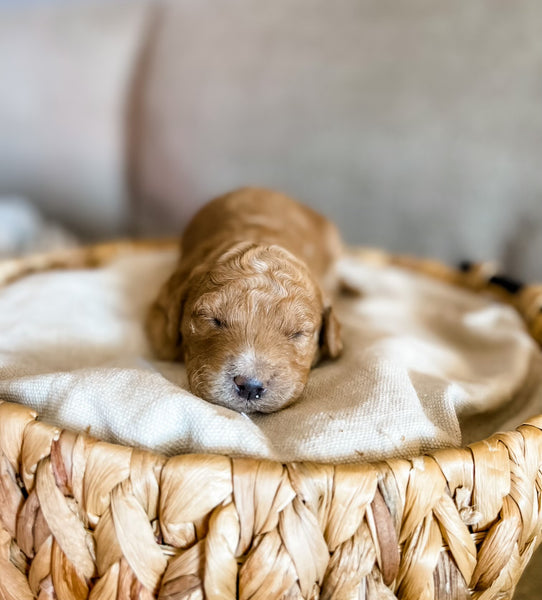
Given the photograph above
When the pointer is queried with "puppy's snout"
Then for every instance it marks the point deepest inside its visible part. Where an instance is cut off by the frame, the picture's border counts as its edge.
(249, 388)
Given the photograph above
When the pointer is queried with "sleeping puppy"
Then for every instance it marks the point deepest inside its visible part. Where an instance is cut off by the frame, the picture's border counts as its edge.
(245, 309)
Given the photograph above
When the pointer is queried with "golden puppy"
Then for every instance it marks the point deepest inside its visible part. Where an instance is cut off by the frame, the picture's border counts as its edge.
(245, 308)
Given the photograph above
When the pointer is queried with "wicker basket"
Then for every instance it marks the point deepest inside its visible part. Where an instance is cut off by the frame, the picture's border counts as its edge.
(80, 518)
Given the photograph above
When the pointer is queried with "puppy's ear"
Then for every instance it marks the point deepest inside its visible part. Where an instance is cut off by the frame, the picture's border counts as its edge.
(330, 341)
(163, 323)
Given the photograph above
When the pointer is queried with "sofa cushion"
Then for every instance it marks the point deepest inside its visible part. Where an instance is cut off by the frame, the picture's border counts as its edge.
(417, 127)
(66, 73)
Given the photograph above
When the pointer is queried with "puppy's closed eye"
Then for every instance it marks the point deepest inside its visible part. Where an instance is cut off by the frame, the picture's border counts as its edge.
(295, 335)
(301, 333)
(209, 314)
(214, 323)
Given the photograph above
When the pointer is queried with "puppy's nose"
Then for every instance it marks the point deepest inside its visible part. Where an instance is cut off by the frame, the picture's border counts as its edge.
(249, 388)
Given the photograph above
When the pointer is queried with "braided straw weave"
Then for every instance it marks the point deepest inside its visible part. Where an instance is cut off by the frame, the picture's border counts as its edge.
(80, 518)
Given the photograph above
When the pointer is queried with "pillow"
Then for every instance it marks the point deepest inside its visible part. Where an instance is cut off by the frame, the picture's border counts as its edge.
(66, 75)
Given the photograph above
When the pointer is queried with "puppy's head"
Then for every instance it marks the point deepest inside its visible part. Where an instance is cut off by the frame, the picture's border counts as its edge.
(249, 326)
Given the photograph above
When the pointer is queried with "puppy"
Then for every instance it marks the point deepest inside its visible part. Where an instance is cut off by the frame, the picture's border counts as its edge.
(245, 308)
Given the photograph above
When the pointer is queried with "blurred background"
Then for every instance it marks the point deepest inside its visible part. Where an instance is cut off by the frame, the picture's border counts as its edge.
(416, 125)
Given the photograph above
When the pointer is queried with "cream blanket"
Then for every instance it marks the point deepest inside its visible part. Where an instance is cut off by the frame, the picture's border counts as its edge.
(421, 359)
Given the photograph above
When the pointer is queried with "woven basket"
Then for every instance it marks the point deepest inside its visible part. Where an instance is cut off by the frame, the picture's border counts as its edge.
(80, 518)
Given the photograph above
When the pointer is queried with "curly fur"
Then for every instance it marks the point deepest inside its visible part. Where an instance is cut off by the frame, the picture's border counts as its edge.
(246, 300)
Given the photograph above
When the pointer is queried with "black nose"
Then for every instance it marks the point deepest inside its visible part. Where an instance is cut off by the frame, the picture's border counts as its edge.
(248, 388)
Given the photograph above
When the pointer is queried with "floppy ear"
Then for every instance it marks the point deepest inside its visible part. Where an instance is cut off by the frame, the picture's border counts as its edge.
(163, 323)
(330, 341)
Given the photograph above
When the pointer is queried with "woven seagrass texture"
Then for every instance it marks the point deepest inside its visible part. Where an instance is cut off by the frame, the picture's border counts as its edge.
(84, 519)
(80, 518)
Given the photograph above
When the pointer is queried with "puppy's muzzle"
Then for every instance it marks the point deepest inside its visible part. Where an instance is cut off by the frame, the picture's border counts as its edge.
(249, 388)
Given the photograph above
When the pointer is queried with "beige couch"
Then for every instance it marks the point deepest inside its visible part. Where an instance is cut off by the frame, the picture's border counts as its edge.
(417, 126)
